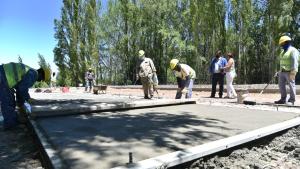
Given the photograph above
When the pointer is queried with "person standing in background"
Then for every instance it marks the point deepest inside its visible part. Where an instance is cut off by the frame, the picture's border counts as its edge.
(216, 69)
(230, 75)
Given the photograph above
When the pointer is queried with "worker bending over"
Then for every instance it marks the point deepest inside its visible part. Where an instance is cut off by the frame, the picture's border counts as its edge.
(185, 78)
(17, 78)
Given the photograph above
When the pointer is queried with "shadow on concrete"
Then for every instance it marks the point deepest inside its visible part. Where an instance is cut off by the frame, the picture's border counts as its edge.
(112, 134)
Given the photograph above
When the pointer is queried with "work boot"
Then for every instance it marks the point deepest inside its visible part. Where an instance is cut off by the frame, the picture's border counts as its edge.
(212, 96)
(280, 101)
(146, 97)
(291, 101)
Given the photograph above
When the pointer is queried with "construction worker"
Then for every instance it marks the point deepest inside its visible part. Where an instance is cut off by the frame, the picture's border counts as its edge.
(288, 69)
(17, 78)
(89, 79)
(146, 72)
(185, 78)
(216, 68)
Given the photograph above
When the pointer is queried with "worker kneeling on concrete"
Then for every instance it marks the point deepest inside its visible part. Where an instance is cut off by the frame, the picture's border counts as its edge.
(147, 73)
(17, 78)
(288, 69)
(185, 78)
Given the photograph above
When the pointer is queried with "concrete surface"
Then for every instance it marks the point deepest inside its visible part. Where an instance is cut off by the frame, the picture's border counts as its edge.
(74, 103)
(194, 153)
(103, 140)
(252, 88)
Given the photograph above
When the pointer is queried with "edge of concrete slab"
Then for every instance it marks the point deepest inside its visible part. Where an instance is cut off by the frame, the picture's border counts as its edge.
(49, 156)
(60, 110)
(180, 157)
(207, 88)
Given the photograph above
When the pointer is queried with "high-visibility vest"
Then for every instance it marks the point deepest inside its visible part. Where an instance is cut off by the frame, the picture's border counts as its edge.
(14, 73)
(186, 70)
(285, 59)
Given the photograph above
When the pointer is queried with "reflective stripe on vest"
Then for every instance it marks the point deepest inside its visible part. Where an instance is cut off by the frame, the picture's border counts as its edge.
(285, 60)
(14, 73)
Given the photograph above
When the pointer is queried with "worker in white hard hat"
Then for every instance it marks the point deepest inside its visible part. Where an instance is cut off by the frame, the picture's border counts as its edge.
(289, 57)
(146, 72)
(89, 79)
(185, 78)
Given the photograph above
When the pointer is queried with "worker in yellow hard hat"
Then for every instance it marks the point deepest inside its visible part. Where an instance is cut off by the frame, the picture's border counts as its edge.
(185, 78)
(289, 57)
(17, 78)
(146, 72)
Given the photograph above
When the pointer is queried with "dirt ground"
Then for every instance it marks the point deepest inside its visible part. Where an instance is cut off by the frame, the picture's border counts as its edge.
(17, 149)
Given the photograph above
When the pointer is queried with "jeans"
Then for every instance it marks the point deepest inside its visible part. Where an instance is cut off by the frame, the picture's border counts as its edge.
(188, 95)
(283, 80)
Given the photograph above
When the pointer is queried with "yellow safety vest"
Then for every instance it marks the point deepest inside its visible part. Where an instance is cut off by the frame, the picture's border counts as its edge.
(14, 73)
(286, 59)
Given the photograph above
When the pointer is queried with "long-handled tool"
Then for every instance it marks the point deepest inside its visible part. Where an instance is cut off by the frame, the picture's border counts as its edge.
(248, 102)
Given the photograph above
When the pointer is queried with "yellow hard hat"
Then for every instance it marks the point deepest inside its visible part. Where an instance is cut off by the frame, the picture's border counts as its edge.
(141, 53)
(284, 39)
(173, 63)
(47, 74)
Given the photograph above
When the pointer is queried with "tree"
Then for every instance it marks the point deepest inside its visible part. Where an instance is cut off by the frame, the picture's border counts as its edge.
(20, 60)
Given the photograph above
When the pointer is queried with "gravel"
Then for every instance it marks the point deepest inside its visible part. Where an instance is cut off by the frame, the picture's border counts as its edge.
(282, 152)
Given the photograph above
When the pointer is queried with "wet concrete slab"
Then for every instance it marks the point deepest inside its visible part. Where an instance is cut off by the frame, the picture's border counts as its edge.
(104, 140)
(55, 104)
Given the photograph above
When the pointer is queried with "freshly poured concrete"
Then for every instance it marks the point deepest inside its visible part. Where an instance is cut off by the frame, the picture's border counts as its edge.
(69, 104)
(103, 140)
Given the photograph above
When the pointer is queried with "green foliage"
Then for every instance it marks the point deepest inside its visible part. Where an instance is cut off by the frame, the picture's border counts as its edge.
(20, 60)
(43, 64)
(40, 85)
(191, 30)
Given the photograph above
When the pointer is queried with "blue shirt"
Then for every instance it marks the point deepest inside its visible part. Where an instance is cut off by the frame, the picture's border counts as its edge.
(217, 64)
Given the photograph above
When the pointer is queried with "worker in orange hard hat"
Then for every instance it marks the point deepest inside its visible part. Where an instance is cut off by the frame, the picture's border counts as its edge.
(289, 57)
(18, 78)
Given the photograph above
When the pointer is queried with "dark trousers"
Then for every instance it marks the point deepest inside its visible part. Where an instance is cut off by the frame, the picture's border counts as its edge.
(217, 78)
(7, 102)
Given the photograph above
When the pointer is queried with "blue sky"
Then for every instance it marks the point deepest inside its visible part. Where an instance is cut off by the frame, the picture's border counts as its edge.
(26, 29)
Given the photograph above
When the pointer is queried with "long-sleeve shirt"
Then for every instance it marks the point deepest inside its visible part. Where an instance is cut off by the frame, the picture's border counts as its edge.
(217, 64)
(23, 86)
(145, 67)
(295, 58)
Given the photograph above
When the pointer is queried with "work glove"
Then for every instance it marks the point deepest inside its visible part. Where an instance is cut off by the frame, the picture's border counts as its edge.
(27, 107)
(184, 90)
(137, 77)
(292, 75)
